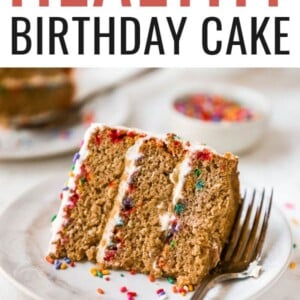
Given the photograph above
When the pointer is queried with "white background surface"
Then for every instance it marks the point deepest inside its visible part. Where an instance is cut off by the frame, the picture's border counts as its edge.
(275, 163)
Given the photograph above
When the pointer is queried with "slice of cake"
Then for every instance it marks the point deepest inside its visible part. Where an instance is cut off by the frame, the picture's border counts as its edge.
(152, 204)
(30, 91)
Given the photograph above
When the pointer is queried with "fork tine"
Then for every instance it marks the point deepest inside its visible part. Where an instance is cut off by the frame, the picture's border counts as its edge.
(253, 239)
(258, 251)
(244, 236)
(239, 228)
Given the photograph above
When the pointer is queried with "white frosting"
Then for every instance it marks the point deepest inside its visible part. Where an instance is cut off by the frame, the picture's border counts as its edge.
(183, 171)
(165, 220)
(160, 205)
(155, 266)
(133, 153)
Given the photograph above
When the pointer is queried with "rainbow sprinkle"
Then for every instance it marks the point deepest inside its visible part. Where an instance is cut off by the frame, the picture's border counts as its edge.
(63, 266)
(199, 185)
(213, 108)
(123, 289)
(179, 208)
(49, 260)
(93, 271)
(99, 274)
(57, 264)
(100, 291)
(197, 172)
(173, 244)
(289, 205)
(171, 280)
(72, 264)
(292, 265)
(105, 272)
(88, 118)
(76, 157)
(204, 155)
(162, 294)
(65, 134)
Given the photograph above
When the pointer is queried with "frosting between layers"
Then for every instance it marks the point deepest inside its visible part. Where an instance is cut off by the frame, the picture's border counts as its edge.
(183, 171)
(165, 220)
(133, 153)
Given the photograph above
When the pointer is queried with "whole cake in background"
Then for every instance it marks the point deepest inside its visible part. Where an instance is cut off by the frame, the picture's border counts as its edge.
(153, 204)
(25, 92)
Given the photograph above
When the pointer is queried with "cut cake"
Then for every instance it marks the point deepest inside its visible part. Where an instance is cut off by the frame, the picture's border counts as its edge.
(153, 204)
(29, 91)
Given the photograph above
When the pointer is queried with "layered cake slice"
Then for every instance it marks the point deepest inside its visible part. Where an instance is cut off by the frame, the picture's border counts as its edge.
(30, 91)
(152, 204)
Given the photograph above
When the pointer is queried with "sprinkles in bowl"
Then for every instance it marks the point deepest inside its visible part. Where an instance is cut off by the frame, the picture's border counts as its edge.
(213, 108)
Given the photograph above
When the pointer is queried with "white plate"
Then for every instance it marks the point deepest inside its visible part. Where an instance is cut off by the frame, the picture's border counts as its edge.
(113, 109)
(24, 235)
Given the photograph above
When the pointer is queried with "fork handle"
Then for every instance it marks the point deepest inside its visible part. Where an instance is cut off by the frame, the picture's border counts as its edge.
(210, 281)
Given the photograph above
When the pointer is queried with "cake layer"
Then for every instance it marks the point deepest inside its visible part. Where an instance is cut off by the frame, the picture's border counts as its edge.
(137, 236)
(89, 195)
(204, 208)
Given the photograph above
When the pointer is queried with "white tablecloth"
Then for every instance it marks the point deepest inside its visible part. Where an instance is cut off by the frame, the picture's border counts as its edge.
(275, 163)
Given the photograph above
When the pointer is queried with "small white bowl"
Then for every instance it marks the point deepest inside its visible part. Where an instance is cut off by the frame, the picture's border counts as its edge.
(236, 137)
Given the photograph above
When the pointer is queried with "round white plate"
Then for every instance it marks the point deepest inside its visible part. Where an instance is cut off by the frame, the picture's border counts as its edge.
(24, 236)
(113, 109)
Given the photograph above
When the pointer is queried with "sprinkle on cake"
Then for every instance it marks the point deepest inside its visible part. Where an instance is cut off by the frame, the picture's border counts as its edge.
(154, 204)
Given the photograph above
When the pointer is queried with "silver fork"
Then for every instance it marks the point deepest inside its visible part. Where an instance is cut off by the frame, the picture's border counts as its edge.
(241, 257)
